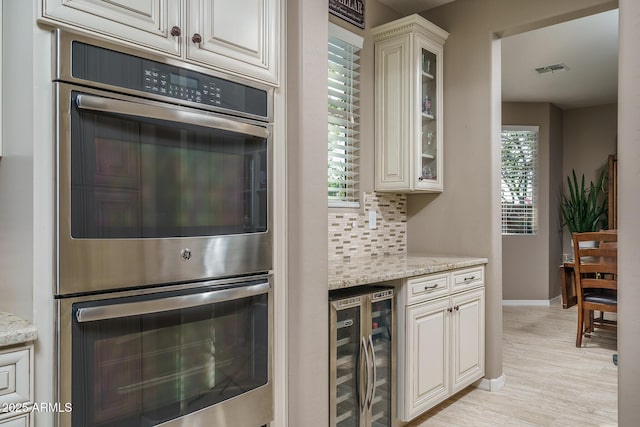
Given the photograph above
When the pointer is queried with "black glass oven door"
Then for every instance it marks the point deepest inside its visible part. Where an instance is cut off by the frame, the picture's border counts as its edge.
(146, 368)
(138, 173)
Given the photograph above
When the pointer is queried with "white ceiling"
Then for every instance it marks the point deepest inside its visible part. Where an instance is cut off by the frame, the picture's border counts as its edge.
(587, 46)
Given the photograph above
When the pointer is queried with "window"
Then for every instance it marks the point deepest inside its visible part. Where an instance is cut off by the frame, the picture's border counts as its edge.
(343, 117)
(519, 170)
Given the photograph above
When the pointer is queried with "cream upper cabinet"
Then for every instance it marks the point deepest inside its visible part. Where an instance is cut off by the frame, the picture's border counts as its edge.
(409, 106)
(154, 24)
(235, 35)
(240, 37)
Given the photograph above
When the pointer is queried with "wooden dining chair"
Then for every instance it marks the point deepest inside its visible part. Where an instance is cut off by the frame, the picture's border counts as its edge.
(596, 279)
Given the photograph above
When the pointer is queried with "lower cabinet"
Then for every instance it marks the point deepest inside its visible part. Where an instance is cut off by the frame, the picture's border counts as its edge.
(16, 386)
(19, 421)
(441, 343)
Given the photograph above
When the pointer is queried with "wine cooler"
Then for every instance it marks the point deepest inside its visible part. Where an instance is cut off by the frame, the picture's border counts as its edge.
(362, 353)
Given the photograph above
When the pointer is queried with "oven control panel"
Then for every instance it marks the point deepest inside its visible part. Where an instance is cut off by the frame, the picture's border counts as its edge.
(201, 89)
(173, 81)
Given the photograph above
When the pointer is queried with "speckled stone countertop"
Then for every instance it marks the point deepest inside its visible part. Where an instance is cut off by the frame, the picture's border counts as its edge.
(15, 330)
(367, 270)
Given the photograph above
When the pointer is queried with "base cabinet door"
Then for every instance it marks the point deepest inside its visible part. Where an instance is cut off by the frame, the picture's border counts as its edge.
(427, 356)
(468, 339)
(19, 421)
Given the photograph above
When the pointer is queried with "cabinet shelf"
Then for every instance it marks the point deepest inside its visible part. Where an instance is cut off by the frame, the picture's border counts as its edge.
(427, 75)
(344, 417)
(428, 116)
(428, 156)
(344, 378)
(344, 397)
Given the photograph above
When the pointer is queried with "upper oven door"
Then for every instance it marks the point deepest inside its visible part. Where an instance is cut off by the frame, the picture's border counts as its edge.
(152, 193)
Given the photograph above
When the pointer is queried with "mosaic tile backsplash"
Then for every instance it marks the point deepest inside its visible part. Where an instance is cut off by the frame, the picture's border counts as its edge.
(351, 237)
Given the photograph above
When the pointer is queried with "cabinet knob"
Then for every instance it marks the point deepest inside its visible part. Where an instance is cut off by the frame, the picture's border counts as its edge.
(457, 307)
(449, 309)
(175, 31)
(197, 38)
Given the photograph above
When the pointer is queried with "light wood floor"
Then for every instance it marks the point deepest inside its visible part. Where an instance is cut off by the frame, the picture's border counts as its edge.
(549, 382)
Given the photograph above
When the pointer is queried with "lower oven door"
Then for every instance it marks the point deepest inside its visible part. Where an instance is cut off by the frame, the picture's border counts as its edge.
(180, 357)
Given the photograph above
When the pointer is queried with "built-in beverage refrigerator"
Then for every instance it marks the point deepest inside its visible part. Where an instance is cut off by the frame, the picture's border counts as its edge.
(362, 353)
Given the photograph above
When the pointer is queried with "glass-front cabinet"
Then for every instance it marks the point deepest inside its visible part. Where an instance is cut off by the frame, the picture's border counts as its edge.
(409, 106)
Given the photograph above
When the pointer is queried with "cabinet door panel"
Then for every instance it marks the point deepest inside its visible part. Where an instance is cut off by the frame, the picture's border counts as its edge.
(427, 355)
(142, 22)
(468, 339)
(20, 421)
(240, 36)
(393, 117)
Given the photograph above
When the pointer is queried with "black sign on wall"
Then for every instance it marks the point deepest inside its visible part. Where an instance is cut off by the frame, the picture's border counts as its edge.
(350, 10)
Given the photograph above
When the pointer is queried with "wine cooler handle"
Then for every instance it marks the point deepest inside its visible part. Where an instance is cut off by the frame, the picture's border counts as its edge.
(364, 391)
(374, 372)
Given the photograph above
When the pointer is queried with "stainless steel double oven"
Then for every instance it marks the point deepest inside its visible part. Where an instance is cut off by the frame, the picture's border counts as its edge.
(163, 247)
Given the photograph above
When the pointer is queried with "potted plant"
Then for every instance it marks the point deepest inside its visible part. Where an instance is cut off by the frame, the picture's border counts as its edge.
(584, 208)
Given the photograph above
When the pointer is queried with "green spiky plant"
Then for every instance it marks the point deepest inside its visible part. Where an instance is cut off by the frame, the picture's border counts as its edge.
(584, 208)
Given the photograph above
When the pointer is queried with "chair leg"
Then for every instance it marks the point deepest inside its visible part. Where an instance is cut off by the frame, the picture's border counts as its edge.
(580, 327)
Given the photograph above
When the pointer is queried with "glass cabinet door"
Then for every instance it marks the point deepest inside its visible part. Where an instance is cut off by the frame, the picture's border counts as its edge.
(429, 117)
(381, 333)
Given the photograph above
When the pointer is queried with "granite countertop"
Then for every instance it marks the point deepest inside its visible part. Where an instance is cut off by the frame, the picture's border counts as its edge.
(15, 330)
(367, 270)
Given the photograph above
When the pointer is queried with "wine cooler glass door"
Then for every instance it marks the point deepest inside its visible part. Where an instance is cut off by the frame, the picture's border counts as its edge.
(347, 407)
(381, 343)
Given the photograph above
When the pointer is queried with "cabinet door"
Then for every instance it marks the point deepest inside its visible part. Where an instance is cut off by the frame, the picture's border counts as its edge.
(468, 338)
(19, 421)
(428, 110)
(142, 22)
(394, 87)
(240, 36)
(427, 354)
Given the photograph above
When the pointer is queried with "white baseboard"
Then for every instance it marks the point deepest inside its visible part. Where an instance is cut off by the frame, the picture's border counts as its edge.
(532, 302)
(494, 384)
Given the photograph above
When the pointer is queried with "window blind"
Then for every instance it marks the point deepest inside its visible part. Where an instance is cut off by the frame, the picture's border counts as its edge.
(343, 117)
(519, 179)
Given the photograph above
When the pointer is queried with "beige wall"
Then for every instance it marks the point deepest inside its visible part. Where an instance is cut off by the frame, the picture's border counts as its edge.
(529, 271)
(629, 206)
(590, 135)
(465, 218)
(307, 334)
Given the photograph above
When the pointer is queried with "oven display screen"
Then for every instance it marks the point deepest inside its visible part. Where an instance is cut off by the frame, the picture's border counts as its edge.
(184, 81)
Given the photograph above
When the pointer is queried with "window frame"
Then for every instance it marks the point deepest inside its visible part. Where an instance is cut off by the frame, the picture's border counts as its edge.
(350, 155)
(529, 226)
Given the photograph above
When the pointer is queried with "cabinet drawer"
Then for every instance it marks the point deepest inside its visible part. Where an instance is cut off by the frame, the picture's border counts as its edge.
(15, 384)
(427, 287)
(468, 278)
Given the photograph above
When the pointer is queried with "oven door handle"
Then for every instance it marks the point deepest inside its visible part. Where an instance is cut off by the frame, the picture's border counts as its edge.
(114, 311)
(167, 113)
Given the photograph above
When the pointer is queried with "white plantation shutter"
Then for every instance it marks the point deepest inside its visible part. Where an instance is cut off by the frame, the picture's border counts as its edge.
(519, 179)
(343, 117)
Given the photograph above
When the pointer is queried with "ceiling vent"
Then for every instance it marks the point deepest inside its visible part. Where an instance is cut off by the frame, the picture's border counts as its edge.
(556, 68)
